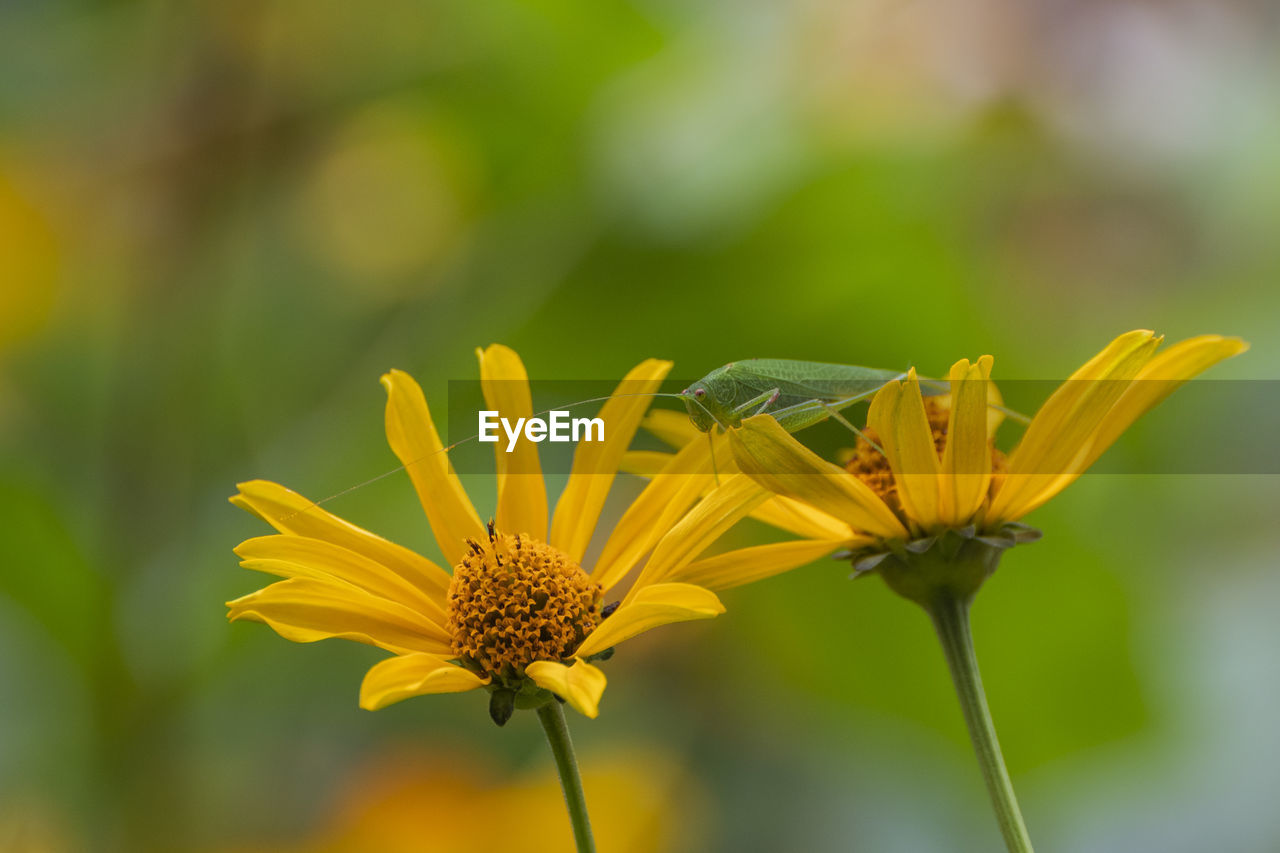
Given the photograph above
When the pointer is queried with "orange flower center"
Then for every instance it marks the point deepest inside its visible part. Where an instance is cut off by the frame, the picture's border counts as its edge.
(871, 467)
(514, 600)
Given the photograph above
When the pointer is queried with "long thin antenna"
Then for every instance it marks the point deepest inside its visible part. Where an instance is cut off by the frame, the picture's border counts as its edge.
(941, 386)
(405, 466)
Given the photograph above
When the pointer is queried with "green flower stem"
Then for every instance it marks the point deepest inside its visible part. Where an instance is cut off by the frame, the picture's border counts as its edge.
(950, 614)
(552, 717)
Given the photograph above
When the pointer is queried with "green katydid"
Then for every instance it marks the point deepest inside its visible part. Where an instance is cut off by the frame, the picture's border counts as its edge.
(796, 393)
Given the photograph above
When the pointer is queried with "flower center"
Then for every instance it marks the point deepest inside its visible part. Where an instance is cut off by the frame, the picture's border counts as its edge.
(514, 600)
(870, 466)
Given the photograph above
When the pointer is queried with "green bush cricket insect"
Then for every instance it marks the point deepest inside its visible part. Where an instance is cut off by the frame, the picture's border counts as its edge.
(796, 393)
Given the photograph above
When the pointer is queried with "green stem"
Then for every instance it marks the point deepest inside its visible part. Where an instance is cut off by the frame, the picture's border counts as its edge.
(950, 615)
(552, 717)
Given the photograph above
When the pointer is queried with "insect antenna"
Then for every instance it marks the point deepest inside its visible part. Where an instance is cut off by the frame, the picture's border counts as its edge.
(1012, 414)
(942, 387)
(369, 482)
(405, 466)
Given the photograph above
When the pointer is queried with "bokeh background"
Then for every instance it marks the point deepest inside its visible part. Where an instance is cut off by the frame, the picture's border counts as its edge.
(220, 221)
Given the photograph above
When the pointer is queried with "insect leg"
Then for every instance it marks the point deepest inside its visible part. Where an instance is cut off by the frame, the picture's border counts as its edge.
(773, 398)
(801, 415)
(835, 415)
(764, 401)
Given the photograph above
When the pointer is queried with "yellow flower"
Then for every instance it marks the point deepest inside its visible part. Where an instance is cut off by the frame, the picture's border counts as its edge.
(519, 614)
(936, 470)
(932, 506)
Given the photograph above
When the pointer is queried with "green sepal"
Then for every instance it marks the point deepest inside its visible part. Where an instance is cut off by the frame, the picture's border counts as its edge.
(1022, 533)
(601, 655)
(864, 566)
(502, 704)
(919, 546)
(532, 696)
(515, 694)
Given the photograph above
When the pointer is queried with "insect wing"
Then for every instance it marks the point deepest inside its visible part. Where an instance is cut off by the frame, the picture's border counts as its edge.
(799, 381)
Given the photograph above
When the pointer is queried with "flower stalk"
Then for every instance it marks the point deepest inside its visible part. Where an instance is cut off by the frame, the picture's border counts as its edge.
(551, 715)
(942, 574)
(950, 615)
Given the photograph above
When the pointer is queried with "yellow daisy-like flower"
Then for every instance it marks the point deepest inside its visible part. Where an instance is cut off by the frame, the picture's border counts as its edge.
(933, 505)
(935, 470)
(519, 614)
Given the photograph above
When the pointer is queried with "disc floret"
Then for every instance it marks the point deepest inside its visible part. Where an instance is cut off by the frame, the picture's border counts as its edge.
(514, 600)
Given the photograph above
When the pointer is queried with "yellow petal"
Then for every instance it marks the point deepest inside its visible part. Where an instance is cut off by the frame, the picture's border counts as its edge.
(883, 408)
(581, 685)
(644, 463)
(724, 507)
(782, 513)
(1159, 378)
(747, 565)
(672, 427)
(995, 403)
(305, 610)
(966, 461)
(595, 464)
(289, 512)
(299, 556)
(777, 461)
(662, 503)
(412, 436)
(800, 518)
(903, 426)
(658, 604)
(1058, 432)
(522, 494)
(409, 675)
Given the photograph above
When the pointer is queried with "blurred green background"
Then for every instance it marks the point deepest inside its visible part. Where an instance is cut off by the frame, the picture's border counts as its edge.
(221, 221)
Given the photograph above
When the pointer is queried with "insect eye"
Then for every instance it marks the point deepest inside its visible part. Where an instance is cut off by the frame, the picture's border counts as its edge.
(700, 393)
